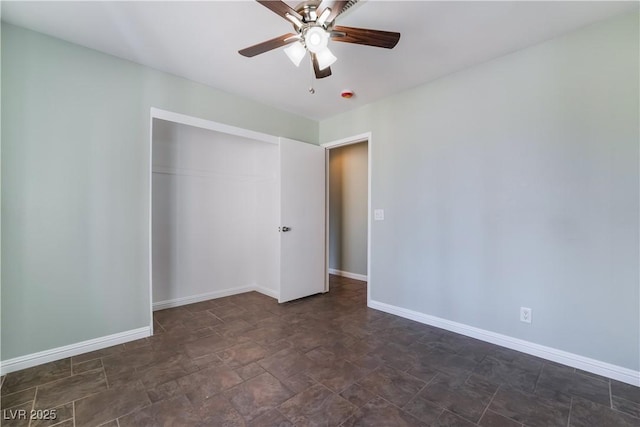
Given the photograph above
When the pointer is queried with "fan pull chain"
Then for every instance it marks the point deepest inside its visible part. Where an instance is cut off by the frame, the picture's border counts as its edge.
(311, 89)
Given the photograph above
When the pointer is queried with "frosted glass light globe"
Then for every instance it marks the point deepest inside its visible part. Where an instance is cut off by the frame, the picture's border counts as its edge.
(316, 39)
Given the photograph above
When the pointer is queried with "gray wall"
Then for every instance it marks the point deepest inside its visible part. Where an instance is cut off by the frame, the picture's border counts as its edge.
(515, 183)
(348, 208)
(75, 185)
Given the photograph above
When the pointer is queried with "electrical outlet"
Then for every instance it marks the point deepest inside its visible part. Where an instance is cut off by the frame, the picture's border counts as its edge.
(525, 314)
(378, 214)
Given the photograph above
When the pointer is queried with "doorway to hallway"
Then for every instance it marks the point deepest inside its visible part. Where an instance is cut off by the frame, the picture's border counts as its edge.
(348, 207)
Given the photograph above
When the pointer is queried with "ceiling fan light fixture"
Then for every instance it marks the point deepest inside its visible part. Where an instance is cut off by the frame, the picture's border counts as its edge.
(296, 52)
(316, 39)
(325, 58)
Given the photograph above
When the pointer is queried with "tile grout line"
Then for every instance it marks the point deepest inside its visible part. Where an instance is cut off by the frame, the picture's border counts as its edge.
(394, 405)
(570, 409)
(610, 396)
(106, 380)
(427, 383)
(415, 396)
(33, 405)
(408, 413)
(489, 404)
(277, 409)
(348, 418)
(535, 387)
(623, 412)
(74, 413)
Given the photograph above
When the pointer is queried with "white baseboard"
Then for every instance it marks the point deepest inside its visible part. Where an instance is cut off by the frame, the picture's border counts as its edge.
(266, 291)
(58, 353)
(605, 369)
(177, 302)
(348, 275)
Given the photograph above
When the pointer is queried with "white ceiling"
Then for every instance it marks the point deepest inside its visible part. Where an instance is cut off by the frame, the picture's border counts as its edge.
(200, 40)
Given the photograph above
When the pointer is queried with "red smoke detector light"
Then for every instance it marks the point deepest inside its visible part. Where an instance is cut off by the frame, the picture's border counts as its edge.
(347, 94)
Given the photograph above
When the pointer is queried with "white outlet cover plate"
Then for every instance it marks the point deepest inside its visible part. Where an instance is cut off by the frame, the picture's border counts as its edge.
(378, 214)
(525, 314)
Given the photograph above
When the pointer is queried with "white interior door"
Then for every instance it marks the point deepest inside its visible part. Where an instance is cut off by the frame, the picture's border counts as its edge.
(302, 204)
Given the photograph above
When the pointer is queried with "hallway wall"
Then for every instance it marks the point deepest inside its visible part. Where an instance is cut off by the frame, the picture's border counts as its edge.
(348, 198)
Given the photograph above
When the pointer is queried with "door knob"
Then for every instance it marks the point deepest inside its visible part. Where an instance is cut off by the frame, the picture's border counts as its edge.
(284, 229)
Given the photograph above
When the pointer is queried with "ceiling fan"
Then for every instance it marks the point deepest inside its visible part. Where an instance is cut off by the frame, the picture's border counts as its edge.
(314, 28)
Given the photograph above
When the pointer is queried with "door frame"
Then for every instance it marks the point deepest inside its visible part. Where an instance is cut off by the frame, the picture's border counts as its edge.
(328, 146)
(183, 119)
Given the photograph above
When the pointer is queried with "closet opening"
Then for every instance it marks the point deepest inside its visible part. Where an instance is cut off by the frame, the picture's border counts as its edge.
(215, 214)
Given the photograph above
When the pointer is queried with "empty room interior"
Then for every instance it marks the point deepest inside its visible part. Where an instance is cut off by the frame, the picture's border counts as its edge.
(320, 213)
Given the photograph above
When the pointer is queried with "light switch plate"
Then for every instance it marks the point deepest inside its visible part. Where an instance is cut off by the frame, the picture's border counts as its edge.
(378, 214)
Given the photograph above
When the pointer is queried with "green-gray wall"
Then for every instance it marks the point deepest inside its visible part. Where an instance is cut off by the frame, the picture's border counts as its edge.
(515, 183)
(75, 185)
(348, 199)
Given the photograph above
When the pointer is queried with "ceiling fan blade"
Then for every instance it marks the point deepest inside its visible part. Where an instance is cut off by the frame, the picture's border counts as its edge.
(336, 9)
(320, 74)
(280, 8)
(377, 38)
(268, 45)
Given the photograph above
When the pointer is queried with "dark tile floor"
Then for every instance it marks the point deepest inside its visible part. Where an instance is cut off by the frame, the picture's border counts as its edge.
(326, 360)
